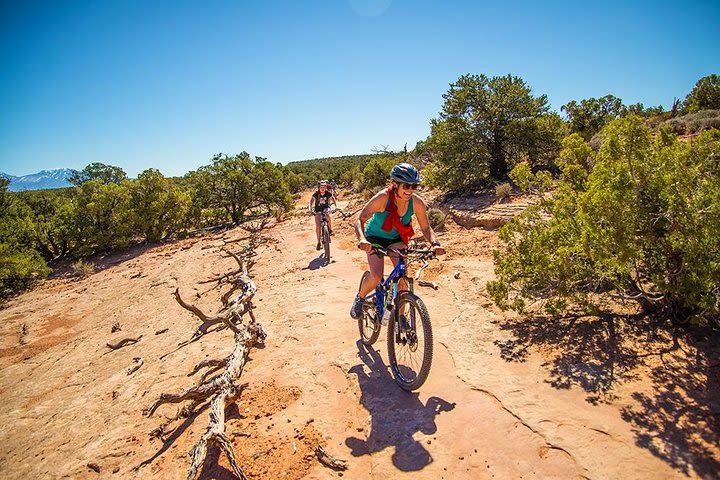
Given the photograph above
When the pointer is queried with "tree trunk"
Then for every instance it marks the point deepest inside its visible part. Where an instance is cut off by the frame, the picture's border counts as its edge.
(498, 163)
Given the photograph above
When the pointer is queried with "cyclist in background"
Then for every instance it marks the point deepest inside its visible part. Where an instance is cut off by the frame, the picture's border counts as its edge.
(386, 221)
(321, 201)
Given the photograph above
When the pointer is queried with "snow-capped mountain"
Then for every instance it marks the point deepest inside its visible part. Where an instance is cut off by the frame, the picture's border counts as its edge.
(39, 181)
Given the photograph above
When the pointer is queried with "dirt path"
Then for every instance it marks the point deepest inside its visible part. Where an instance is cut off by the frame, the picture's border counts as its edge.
(69, 401)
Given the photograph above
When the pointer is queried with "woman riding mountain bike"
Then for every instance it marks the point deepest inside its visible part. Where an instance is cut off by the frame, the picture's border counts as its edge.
(321, 201)
(386, 221)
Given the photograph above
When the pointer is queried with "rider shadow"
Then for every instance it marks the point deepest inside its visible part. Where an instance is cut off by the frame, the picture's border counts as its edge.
(318, 262)
(396, 415)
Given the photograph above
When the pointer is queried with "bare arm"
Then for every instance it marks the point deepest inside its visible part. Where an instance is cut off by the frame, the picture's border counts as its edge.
(375, 204)
(312, 201)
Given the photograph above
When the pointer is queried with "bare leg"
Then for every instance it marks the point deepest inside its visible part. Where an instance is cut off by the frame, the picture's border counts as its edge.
(317, 226)
(376, 263)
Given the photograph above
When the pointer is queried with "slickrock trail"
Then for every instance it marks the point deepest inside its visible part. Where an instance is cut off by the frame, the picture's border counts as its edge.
(71, 410)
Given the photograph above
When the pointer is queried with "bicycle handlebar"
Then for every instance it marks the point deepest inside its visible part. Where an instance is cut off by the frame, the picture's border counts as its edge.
(313, 212)
(404, 251)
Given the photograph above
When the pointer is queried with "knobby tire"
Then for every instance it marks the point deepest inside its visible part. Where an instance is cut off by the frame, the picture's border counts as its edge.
(326, 241)
(404, 373)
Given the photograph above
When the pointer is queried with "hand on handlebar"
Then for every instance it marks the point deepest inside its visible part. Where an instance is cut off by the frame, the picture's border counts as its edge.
(365, 245)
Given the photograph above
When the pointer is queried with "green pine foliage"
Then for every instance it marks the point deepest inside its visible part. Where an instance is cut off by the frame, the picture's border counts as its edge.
(589, 116)
(98, 171)
(344, 170)
(100, 217)
(107, 211)
(238, 185)
(636, 220)
(158, 207)
(21, 264)
(376, 173)
(704, 96)
(52, 231)
(486, 127)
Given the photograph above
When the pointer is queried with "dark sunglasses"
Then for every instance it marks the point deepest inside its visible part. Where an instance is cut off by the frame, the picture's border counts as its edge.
(410, 186)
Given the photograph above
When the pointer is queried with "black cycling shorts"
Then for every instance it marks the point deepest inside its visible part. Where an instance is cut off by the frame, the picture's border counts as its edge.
(384, 242)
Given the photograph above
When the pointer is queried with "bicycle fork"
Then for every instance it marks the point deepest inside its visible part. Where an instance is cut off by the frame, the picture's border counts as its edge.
(385, 299)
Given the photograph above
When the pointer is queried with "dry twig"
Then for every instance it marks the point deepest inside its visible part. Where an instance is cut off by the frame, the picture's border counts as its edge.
(124, 342)
(330, 461)
(138, 363)
(424, 283)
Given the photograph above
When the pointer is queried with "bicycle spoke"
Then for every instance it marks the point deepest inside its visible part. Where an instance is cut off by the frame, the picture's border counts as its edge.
(411, 356)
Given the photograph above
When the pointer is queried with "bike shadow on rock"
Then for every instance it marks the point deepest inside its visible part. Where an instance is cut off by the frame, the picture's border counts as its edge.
(678, 418)
(318, 262)
(396, 415)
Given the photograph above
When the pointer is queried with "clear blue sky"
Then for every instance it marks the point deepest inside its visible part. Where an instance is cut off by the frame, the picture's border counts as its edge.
(167, 84)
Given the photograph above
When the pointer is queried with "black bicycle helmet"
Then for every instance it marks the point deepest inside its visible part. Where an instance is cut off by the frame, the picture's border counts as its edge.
(404, 172)
(321, 183)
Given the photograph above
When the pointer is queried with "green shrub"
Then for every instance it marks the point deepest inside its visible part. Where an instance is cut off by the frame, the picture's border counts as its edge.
(158, 207)
(487, 126)
(503, 191)
(83, 268)
(19, 269)
(20, 264)
(210, 217)
(376, 173)
(704, 96)
(437, 219)
(643, 225)
(528, 181)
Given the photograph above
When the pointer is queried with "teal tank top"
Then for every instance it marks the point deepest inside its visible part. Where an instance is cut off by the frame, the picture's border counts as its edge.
(373, 228)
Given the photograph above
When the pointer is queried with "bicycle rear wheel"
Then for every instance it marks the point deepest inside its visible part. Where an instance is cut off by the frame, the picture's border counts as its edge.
(326, 241)
(369, 323)
(410, 343)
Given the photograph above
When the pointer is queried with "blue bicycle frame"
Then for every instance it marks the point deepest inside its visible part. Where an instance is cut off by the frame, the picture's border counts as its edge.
(382, 300)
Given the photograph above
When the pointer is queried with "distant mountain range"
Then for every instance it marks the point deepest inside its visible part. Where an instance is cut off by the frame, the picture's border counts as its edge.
(39, 181)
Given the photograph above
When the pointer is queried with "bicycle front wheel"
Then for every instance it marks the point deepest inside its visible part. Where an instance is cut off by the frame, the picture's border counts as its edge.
(410, 342)
(326, 241)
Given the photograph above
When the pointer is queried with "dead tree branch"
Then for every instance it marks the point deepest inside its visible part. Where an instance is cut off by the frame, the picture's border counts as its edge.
(330, 461)
(209, 363)
(223, 388)
(424, 283)
(135, 366)
(124, 342)
(207, 322)
(419, 271)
